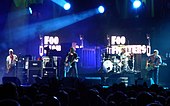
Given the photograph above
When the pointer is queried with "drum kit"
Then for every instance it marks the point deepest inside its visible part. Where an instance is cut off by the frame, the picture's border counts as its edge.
(117, 64)
(49, 62)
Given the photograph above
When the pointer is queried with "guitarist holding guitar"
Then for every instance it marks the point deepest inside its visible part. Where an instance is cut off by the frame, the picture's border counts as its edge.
(70, 69)
(11, 61)
(152, 66)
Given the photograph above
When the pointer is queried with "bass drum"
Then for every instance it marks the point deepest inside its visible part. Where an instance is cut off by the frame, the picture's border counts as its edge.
(107, 66)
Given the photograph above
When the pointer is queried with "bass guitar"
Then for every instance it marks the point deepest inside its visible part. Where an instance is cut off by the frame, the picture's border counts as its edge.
(9, 66)
(68, 65)
(151, 66)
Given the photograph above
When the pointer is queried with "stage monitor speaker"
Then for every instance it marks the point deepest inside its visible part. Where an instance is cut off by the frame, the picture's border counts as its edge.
(11, 79)
(110, 81)
(92, 81)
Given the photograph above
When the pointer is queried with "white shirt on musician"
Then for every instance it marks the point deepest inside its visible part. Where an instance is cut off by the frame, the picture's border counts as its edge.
(11, 61)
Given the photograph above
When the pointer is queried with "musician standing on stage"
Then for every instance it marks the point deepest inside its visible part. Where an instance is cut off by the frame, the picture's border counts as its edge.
(152, 65)
(11, 62)
(124, 59)
(71, 64)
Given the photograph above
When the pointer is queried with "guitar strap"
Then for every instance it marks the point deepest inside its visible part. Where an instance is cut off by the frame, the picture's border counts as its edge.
(12, 57)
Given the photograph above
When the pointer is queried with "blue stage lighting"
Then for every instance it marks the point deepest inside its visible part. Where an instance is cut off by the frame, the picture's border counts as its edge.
(137, 3)
(30, 10)
(101, 9)
(67, 6)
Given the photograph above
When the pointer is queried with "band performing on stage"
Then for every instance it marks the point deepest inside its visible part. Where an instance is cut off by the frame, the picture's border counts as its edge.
(115, 59)
(84, 53)
(11, 62)
(70, 68)
(123, 62)
(152, 66)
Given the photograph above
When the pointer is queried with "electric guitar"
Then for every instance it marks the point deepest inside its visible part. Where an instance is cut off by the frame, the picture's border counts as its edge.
(9, 66)
(68, 65)
(151, 66)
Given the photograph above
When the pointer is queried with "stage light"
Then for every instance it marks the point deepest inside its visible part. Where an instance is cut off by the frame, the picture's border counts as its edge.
(137, 3)
(101, 9)
(50, 25)
(62, 3)
(67, 6)
(30, 10)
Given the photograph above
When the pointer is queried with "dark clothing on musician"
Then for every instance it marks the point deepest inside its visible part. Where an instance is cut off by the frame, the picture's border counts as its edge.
(71, 64)
(153, 63)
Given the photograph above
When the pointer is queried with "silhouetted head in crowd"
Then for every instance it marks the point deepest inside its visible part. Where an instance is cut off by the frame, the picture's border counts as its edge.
(117, 97)
(161, 99)
(52, 101)
(167, 103)
(63, 97)
(125, 103)
(94, 98)
(144, 98)
(9, 102)
(25, 101)
(111, 103)
(154, 104)
(9, 90)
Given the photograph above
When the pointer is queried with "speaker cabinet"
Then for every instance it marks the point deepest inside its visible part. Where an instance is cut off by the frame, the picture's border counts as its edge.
(35, 65)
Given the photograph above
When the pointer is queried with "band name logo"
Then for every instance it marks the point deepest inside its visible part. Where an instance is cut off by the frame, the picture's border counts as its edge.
(118, 42)
(49, 41)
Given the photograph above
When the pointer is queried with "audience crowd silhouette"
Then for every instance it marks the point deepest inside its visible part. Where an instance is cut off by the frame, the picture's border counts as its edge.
(54, 92)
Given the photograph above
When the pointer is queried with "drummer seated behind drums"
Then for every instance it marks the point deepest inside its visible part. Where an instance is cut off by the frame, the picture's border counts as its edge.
(123, 59)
